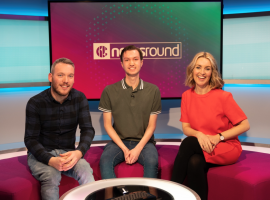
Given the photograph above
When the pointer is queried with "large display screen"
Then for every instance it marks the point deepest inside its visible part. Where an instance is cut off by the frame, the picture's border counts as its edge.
(246, 44)
(92, 35)
(24, 51)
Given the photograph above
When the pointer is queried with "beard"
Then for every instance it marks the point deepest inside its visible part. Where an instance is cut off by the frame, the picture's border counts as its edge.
(56, 89)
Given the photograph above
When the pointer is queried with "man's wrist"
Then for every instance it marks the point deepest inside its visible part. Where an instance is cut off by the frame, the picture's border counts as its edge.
(139, 147)
(125, 149)
(80, 153)
(51, 161)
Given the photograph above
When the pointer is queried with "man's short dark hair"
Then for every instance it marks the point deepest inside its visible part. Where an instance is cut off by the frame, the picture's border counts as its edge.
(61, 60)
(129, 48)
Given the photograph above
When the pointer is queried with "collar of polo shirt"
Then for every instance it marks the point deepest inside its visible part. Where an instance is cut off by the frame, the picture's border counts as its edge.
(125, 85)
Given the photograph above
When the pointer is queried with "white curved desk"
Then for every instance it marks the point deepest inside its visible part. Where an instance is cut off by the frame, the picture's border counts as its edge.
(178, 191)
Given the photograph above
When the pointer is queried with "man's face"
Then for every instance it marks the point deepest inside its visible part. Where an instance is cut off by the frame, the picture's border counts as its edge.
(132, 62)
(62, 80)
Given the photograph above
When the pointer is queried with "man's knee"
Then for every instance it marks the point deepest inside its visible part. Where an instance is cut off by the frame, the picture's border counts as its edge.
(104, 159)
(42, 172)
(50, 175)
(111, 156)
(151, 161)
(150, 156)
(84, 172)
(106, 166)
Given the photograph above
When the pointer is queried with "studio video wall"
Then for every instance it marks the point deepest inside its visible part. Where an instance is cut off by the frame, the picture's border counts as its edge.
(92, 35)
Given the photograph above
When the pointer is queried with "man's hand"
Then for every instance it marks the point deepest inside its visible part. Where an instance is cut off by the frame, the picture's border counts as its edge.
(127, 155)
(134, 155)
(57, 163)
(71, 158)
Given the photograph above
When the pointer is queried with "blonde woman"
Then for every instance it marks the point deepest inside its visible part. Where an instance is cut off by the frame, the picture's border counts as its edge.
(212, 120)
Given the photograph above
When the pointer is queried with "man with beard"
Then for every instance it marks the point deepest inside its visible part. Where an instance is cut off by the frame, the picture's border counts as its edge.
(52, 117)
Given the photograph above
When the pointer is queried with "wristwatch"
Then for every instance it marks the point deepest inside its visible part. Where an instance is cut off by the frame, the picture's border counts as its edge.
(221, 137)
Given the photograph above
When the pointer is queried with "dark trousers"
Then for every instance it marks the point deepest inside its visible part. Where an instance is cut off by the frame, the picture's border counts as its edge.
(190, 162)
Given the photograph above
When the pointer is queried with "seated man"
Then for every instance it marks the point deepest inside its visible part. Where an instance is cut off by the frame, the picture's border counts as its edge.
(52, 117)
(134, 105)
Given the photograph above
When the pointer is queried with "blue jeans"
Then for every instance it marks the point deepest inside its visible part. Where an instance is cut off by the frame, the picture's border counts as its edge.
(50, 177)
(113, 155)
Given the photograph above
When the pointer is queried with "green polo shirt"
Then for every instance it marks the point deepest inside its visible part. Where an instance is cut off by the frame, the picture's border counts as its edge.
(130, 108)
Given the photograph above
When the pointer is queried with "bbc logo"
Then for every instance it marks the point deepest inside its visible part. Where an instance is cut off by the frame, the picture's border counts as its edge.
(102, 51)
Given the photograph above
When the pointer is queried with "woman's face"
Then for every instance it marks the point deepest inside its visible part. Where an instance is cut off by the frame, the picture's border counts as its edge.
(202, 72)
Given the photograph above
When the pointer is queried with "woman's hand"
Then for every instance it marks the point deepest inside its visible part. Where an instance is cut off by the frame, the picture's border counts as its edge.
(205, 142)
(214, 139)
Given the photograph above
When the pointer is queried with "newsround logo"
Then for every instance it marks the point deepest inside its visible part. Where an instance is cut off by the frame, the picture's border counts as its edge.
(150, 50)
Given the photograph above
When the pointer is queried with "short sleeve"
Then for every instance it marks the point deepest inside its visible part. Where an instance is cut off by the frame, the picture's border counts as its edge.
(156, 107)
(184, 116)
(231, 109)
(105, 103)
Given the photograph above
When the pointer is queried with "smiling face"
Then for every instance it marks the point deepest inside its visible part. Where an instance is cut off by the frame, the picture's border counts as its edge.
(132, 63)
(202, 72)
(62, 80)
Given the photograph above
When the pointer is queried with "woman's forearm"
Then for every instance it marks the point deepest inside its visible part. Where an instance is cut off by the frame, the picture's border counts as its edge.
(242, 127)
(188, 131)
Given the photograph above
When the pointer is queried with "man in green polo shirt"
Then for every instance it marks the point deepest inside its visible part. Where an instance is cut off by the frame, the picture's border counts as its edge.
(134, 105)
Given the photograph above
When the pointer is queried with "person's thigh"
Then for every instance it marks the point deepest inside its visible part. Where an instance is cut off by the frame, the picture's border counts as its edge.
(82, 172)
(149, 159)
(42, 171)
(225, 153)
(111, 156)
(48, 176)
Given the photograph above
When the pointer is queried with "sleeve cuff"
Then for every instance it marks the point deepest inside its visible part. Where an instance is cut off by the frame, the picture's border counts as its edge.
(81, 149)
(104, 110)
(47, 158)
(155, 113)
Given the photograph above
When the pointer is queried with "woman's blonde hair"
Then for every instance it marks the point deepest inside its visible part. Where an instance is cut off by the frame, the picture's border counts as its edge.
(215, 80)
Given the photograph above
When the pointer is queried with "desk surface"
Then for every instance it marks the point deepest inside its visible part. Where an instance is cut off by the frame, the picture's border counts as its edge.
(178, 191)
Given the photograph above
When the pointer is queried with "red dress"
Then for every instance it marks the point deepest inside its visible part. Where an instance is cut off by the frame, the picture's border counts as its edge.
(213, 113)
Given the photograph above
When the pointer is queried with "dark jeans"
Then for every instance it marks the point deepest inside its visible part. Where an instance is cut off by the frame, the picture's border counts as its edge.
(113, 155)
